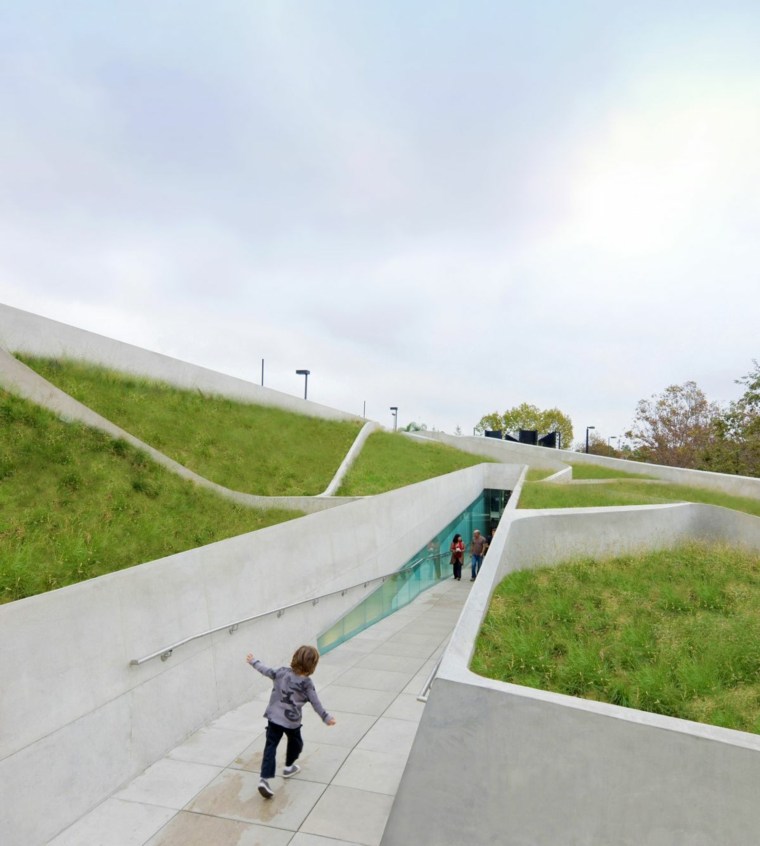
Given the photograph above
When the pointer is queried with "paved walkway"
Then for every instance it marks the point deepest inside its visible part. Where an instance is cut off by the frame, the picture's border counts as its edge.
(204, 791)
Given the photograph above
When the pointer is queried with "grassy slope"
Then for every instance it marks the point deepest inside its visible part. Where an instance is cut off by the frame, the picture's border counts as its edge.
(626, 492)
(591, 471)
(75, 504)
(673, 632)
(390, 461)
(249, 448)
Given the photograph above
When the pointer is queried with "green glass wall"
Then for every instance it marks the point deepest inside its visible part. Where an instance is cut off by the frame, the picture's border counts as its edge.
(428, 567)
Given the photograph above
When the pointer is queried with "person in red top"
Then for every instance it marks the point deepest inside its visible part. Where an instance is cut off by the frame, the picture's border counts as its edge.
(457, 556)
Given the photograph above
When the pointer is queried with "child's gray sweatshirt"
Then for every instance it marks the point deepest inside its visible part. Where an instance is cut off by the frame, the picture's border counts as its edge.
(289, 694)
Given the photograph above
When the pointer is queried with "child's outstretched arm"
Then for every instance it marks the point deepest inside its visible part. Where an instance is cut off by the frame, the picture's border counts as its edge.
(326, 718)
(261, 667)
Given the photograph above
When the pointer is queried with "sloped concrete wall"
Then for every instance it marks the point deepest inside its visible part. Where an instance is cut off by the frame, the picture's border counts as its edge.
(24, 332)
(495, 763)
(77, 721)
(557, 459)
(25, 382)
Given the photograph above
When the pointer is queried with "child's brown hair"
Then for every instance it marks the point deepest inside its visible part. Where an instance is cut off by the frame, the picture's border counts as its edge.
(304, 660)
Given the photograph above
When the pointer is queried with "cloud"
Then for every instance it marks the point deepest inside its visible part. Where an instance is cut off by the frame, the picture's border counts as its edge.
(447, 209)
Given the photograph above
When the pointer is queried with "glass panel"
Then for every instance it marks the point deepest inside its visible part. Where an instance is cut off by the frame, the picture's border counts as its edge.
(423, 570)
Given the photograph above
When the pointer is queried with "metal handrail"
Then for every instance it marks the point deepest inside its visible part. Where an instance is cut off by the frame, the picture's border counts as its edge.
(425, 692)
(232, 627)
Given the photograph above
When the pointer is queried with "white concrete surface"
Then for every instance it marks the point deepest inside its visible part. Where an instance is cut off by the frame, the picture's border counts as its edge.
(77, 721)
(559, 459)
(203, 793)
(545, 769)
(25, 382)
(24, 332)
(351, 456)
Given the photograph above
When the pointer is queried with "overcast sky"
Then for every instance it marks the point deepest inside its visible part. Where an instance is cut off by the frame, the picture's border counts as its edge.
(449, 207)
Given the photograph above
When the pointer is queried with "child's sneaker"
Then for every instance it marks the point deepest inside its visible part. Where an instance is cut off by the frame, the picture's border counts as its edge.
(291, 771)
(264, 789)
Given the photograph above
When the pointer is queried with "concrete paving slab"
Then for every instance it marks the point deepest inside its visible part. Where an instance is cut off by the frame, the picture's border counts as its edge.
(348, 814)
(424, 627)
(395, 663)
(357, 700)
(318, 761)
(171, 784)
(405, 706)
(115, 823)
(389, 735)
(374, 679)
(190, 829)
(205, 790)
(302, 839)
(327, 673)
(234, 795)
(372, 634)
(348, 731)
(378, 772)
(407, 650)
(416, 684)
(409, 638)
(247, 717)
(214, 746)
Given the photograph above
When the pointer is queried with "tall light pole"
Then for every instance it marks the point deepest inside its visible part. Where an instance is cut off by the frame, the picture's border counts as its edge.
(587, 429)
(394, 410)
(305, 374)
(611, 438)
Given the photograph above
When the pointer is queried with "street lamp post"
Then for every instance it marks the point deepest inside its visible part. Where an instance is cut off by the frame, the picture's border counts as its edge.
(305, 374)
(587, 430)
(611, 438)
(394, 409)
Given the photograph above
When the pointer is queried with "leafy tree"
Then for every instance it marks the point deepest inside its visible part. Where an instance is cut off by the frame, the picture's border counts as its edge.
(736, 445)
(526, 416)
(415, 427)
(598, 446)
(675, 427)
(493, 422)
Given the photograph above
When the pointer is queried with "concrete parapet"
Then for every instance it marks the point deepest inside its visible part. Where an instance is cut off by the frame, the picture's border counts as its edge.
(558, 459)
(77, 721)
(541, 768)
(24, 332)
(351, 456)
(22, 380)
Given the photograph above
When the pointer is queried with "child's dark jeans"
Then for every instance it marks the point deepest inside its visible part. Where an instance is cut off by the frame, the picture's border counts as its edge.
(274, 736)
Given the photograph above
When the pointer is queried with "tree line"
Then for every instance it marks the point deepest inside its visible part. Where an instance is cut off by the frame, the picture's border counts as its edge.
(679, 427)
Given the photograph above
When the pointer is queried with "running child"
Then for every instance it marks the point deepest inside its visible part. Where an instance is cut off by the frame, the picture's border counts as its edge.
(291, 690)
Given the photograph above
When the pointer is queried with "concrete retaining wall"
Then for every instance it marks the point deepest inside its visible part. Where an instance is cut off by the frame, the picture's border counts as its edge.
(77, 721)
(25, 382)
(24, 332)
(351, 456)
(557, 459)
(542, 769)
